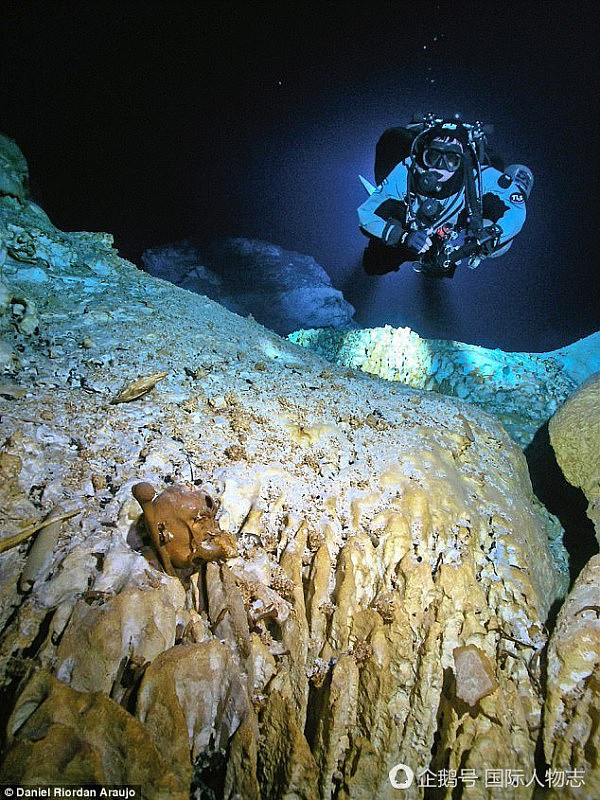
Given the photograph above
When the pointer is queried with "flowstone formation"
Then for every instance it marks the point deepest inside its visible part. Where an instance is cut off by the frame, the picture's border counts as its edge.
(522, 389)
(387, 604)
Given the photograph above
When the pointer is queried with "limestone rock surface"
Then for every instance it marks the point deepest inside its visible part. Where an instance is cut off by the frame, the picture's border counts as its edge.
(575, 437)
(379, 528)
(59, 736)
(281, 289)
(572, 710)
(192, 700)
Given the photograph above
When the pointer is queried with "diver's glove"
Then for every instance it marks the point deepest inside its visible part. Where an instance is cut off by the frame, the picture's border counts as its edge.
(417, 242)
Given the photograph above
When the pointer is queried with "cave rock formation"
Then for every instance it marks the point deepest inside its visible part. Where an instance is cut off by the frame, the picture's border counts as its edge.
(394, 572)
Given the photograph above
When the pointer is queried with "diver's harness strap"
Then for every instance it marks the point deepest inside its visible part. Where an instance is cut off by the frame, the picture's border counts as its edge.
(473, 199)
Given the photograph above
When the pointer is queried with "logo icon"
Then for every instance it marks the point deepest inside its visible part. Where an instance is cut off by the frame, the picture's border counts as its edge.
(401, 776)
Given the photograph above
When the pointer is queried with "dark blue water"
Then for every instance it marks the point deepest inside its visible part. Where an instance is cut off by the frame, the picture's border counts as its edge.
(211, 119)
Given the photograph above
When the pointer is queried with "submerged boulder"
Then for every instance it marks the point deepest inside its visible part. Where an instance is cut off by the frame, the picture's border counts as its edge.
(572, 709)
(57, 735)
(281, 289)
(14, 173)
(575, 436)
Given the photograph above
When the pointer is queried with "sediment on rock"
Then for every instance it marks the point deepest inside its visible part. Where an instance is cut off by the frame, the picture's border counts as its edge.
(57, 735)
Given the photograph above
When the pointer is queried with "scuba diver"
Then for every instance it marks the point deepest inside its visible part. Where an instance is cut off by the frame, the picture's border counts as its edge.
(442, 200)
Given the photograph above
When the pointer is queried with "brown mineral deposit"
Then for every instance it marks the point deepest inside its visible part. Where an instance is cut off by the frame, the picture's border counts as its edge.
(182, 527)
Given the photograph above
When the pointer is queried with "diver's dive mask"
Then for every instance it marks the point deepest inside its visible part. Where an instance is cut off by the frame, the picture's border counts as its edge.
(437, 161)
(443, 156)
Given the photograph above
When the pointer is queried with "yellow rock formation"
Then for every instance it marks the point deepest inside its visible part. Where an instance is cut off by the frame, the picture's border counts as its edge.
(575, 436)
(572, 710)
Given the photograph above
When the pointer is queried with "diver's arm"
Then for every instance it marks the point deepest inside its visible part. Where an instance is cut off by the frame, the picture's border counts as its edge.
(381, 214)
(503, 204)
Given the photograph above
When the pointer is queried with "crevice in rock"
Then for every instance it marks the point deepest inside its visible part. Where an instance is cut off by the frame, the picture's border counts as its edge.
(19, 671)
(590, 750)
(40, 637)
(563, 500)
(440, 752)
(128, 681)
(317, 702)
(8, 697)
(209, 775)
(540, 763)
(551, 624)
(458, 790)
(203, 605)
